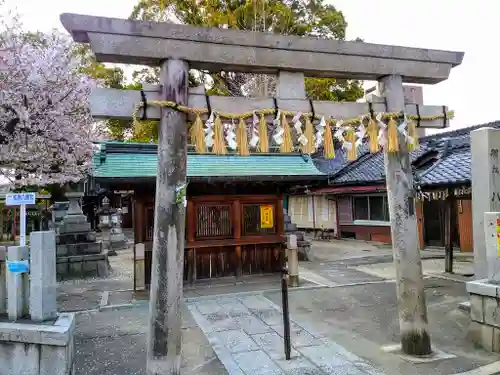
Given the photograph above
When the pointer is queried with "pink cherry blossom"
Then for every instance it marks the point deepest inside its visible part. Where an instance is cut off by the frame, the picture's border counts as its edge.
(41, 86)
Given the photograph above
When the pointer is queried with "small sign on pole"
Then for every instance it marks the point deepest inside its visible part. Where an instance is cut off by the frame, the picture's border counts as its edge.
(18, 199)
(18, 266)
(266, 217)
(21, 199)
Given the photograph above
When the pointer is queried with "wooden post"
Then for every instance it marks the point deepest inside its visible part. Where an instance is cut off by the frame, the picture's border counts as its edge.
(14, 225)
(415, 338)
(191, 229)
(164, 336)
(448, 233)
(314, 215)
(237, 236)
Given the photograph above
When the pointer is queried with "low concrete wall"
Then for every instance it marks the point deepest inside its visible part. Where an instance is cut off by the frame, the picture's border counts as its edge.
(38, 349)
(484, 329)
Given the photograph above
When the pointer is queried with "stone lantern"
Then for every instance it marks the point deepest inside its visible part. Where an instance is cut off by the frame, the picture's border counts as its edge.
(111, 219)
(105, 214)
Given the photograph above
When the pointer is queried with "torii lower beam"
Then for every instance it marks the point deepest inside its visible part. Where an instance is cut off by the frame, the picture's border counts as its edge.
(120, 104)
(150, 43)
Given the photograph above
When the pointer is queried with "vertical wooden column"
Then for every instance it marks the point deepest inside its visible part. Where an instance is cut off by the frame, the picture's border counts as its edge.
(280, 217)
(448, 233)
(14, 224)
(314, 215)
(191, 229)
(237, 236)
(164, 333)
(419, 205)
(139, 219)
(280, 230)
(415, 339)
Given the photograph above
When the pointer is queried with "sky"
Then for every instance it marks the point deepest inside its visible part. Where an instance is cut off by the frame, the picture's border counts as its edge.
(453, 25)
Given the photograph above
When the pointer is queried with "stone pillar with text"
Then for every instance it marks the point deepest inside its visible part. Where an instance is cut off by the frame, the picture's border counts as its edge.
(485, 181)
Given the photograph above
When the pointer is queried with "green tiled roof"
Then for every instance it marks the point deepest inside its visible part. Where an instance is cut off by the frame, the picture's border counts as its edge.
(128, 160)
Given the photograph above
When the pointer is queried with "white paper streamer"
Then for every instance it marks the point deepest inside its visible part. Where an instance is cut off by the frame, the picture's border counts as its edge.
(254, 140)
(278, 136)
(277, 121)
(403, 129)
(320, 131)
(231, 136)
(278, 133)
(339, 132)
(302, 140)
(255, 119)
(298, 126)
(361, 133)
(297, 117)
(382, 132)
(209, 131)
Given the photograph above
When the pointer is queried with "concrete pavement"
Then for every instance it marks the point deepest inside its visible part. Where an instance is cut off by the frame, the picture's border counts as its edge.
(345, 311)
(113, 342)
(247, 335)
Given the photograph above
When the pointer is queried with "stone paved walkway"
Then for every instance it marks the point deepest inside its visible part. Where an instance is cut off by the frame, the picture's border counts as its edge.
(246, 334)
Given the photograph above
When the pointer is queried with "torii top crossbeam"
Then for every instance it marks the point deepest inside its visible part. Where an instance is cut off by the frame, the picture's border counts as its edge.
(141, 42)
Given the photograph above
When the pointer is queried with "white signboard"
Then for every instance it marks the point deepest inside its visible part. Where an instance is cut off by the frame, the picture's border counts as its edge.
(17, 199)
(21, 199)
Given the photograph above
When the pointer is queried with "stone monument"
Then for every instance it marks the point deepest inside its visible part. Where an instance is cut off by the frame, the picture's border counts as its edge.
(485, 182)
(43, 343)
(78, 252)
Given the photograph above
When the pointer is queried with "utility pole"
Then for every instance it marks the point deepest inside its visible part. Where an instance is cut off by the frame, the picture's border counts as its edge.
(415, 339)
(164, 335)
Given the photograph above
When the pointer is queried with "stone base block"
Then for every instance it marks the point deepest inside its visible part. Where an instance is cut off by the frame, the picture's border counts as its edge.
(38, 349)
(76, 237)
(118, 245)
(79, 249)
(293, 281)
(82, 266)
(118, 241)
(67, 228)
(484, 329)
(140, 274)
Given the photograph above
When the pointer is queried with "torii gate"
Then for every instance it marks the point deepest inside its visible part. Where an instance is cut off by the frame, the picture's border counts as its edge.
(176, 48)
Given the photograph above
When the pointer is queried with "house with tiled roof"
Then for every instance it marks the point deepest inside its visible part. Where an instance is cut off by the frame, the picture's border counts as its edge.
(441, 170)
(235, 204)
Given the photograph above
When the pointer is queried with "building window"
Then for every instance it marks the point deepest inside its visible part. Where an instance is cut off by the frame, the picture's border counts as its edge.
(361, 211)
(252, 223)
(213, 221)
(373, 208)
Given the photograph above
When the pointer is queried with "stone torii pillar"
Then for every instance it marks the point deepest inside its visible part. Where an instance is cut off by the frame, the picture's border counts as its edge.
(401, 198)
(165, 320)
(172, 47)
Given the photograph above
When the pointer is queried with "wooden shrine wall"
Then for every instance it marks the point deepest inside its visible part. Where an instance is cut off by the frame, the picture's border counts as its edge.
(224, 235)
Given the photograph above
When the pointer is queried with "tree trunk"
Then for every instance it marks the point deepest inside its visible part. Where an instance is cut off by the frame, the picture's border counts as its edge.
(164, 337)
(415, 338)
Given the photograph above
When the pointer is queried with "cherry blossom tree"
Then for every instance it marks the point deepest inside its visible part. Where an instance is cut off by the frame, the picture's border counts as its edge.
(46, 129)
